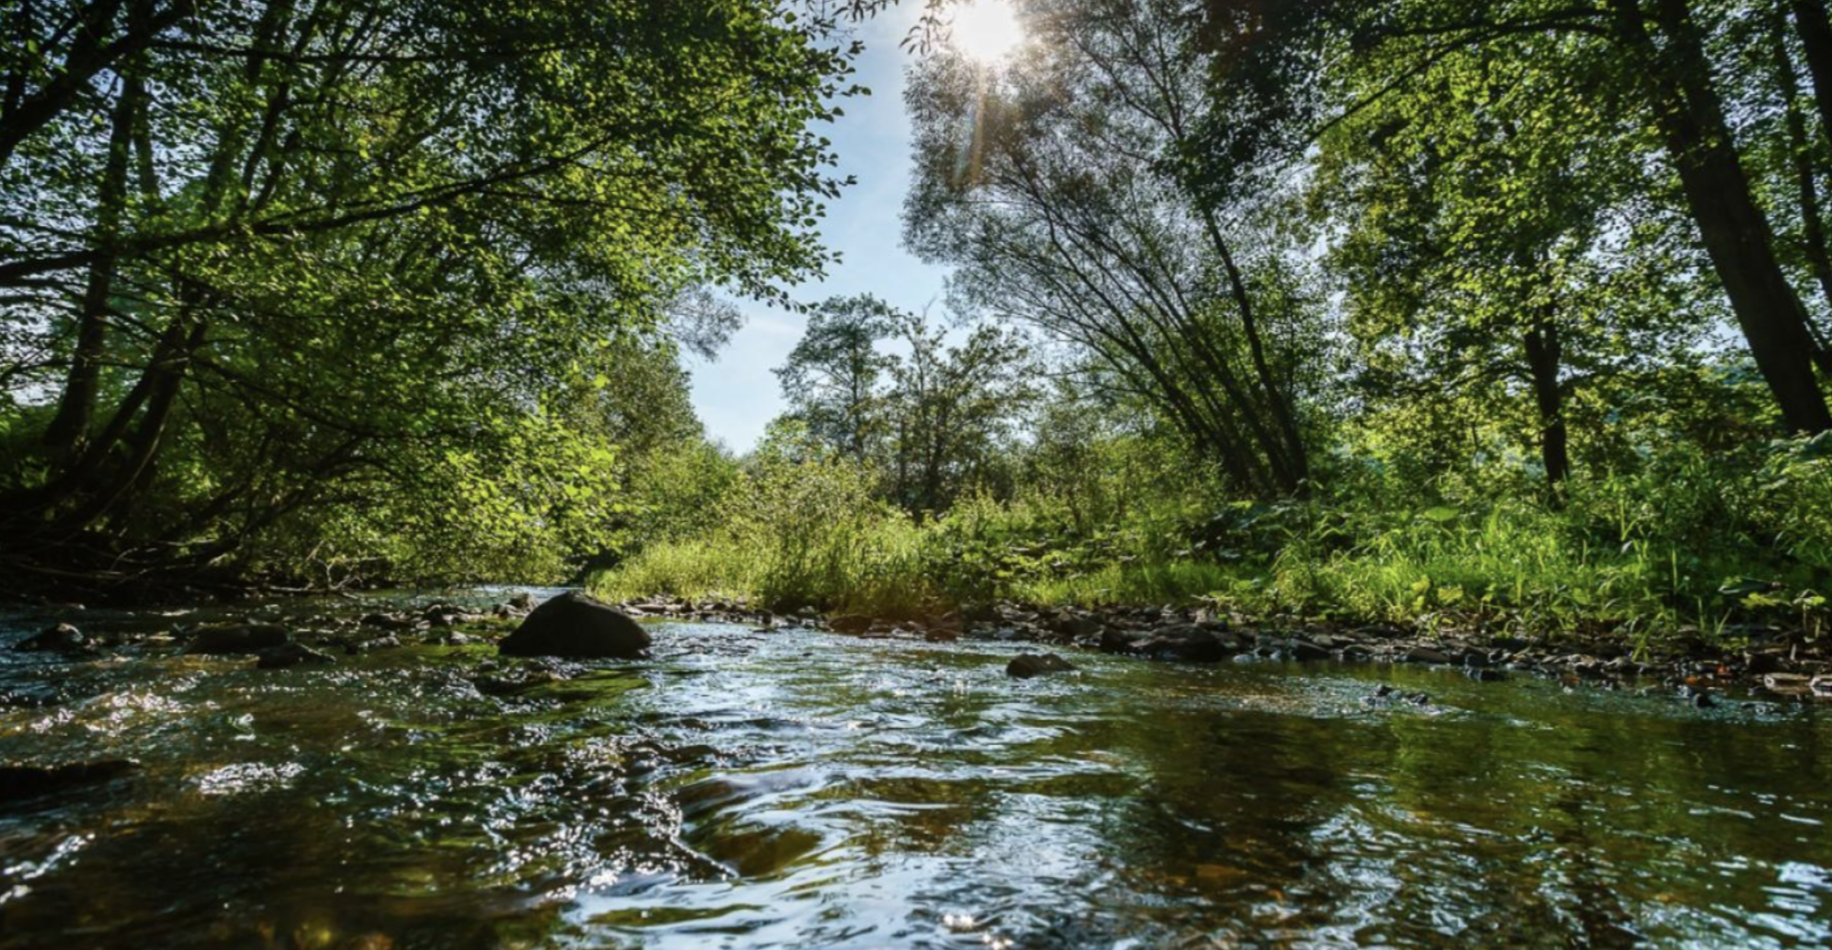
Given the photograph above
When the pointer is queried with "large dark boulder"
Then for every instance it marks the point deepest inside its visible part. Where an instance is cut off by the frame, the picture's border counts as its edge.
(577, 625)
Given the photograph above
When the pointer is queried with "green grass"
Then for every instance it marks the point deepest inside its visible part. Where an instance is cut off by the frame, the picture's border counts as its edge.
(1516, 569)
(1682, 550)
(1167, 582)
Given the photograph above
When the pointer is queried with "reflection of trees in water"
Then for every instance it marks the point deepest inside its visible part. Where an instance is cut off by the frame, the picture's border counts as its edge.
(1225, 823)
(1562, 828)
(1065, 819)
(1571, 829)
(1467, 831)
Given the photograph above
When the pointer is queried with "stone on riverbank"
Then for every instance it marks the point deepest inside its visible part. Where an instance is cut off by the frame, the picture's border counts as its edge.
(577, 625)
(390, 622)
(1026, 665)
(1189, 642)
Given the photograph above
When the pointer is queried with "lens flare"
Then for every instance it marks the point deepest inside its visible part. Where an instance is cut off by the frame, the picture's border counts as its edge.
(986, 30)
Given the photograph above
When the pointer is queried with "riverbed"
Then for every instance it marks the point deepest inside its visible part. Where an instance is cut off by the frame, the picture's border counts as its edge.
(800, 789)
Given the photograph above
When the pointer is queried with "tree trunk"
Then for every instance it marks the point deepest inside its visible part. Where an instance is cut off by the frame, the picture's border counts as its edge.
(1277, 396)
(1545, 352)
(1813, 230)
(1815, 32)
(76, 409)
(1736, 234)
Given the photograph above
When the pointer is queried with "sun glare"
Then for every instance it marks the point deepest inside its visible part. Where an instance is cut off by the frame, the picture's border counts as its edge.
(986, 30)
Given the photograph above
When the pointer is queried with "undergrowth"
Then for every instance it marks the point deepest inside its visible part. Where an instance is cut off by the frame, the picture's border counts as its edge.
(1683, 546)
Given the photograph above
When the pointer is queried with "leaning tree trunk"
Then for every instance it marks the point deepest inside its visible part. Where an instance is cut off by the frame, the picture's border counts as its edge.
(76, 407)
(1813, 229)
(1278, 397)
(1815, 31)
(1736, 234)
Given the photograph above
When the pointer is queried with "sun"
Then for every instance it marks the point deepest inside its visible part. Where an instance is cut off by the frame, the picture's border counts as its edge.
(986, 30)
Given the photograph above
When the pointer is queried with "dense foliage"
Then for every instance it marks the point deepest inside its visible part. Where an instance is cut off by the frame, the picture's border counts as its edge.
(1515, 314)
(1510, 315)
(301, 287)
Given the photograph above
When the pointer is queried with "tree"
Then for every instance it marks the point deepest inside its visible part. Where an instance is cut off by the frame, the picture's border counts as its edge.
(317, 252)
(1655, 56)
(888, 391)
(954, 411)
(1502, 255)
(832, 377)
(1058, 188)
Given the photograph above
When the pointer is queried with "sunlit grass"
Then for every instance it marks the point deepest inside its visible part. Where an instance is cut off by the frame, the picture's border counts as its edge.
(1642, 558)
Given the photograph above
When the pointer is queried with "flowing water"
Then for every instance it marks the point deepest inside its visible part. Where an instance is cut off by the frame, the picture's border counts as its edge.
(798, 789)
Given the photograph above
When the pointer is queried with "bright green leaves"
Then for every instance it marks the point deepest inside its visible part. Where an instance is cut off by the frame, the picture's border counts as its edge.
(394, 240)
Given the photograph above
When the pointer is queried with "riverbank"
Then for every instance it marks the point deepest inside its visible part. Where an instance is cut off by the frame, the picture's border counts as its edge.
(1766, 663)
(1646, 567)
(1760, 663)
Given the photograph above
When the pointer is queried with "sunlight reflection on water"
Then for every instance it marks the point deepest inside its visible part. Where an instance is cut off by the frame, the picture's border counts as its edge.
(801, 790)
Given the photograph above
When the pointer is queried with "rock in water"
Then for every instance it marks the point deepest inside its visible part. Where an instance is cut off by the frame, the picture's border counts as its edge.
(1303, 651)
(1188, 642)
(291, 654)
(241, 638)
(1117, 641)
(30, 781)
(1026, 665)
(577, 625)
(1424, 654)
(62, 638)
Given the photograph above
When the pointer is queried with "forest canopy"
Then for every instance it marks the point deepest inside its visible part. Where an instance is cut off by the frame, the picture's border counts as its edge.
(1316, 305)
(1392, 310)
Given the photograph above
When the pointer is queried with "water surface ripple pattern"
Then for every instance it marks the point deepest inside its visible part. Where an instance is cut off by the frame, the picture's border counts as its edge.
(796, 789)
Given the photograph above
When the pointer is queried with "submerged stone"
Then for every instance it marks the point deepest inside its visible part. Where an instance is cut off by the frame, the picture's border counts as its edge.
(62, 638)
(239, 638)
(291, 654)
(577, 625)
(30, 781)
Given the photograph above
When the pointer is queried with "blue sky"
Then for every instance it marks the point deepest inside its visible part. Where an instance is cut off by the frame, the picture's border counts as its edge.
(736, 395)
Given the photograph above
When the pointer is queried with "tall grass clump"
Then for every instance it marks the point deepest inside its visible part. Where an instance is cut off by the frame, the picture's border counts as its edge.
(799, 527)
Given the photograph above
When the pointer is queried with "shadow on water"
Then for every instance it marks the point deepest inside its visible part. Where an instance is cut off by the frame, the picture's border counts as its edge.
(797, 789)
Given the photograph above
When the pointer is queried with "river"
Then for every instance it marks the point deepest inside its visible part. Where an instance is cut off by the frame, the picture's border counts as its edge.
(801, 789)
